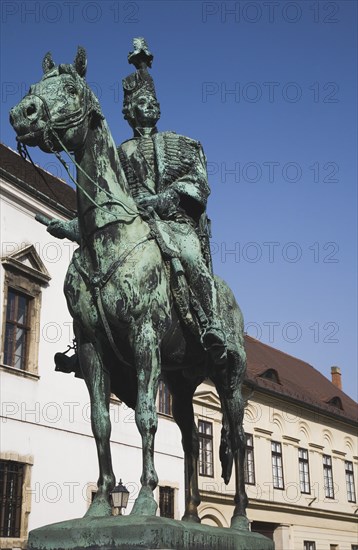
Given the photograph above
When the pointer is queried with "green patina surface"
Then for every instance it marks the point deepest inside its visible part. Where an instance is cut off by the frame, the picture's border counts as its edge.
(128, 533)
(140, 289)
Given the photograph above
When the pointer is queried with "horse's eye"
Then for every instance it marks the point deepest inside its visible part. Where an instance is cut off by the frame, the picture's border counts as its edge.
(72, 90)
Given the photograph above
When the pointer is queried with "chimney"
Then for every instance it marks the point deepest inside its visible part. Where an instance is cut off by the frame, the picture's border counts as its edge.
(336, 377)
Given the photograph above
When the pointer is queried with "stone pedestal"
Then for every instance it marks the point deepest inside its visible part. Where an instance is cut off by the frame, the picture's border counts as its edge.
(135, 533)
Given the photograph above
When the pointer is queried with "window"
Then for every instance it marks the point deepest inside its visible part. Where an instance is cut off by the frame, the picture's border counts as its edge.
(164, 399)
(271, 374)
(25, 275)
(336, 402)
(309, 545)
(304, 471)
(17, 329)
(328, 476)
(11, 483)
(166, 502)
(249, 460)
(277, 468)
(206, 465)
(351, 494)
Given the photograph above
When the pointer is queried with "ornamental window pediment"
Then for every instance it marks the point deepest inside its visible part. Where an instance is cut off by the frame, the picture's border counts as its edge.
(24, 277)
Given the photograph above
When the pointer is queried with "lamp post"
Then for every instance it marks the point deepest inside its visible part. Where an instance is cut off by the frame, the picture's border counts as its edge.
(120, 495)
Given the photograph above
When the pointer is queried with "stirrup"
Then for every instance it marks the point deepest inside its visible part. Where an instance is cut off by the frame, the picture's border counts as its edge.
(64, 363)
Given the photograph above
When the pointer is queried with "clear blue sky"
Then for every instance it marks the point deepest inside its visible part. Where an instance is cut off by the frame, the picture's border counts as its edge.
(281, 147)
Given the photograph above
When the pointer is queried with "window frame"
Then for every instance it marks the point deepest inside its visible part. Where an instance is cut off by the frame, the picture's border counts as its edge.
(304, 461)
(12, 474)
(309, 545)
(328, 483)
(15, 327)
(249, 465)
(165, 399)
(205, 465)
(27, 462)
(277, 464)
(349, 476)
(28, 281)
(167, 490)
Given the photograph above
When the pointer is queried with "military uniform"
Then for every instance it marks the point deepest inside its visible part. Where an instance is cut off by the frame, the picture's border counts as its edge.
(168, 164)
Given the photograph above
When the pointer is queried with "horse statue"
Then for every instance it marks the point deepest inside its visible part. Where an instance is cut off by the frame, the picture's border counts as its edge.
(126, 324)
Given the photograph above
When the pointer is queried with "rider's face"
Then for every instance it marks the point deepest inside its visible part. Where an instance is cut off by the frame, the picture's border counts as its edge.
(145, 111)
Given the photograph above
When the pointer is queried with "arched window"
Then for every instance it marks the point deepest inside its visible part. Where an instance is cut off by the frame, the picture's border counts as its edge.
(336, 402)
(271, 374)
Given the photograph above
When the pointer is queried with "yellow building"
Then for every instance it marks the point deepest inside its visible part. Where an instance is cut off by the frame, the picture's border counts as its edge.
(301, 462)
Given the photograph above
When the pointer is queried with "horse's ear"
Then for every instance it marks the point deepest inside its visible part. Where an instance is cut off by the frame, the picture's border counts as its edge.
(80, 62)
(47, 63)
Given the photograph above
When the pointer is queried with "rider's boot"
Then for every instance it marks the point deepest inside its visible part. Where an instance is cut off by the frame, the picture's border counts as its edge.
(213, 337)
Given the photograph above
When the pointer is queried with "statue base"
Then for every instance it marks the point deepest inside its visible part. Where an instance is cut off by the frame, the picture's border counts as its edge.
(147, 532)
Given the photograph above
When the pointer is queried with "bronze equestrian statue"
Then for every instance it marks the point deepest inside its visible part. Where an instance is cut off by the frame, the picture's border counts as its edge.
(135, 317)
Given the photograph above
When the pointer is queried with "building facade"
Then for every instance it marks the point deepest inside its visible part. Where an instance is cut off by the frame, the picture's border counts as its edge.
(301, 464)
(301, 458)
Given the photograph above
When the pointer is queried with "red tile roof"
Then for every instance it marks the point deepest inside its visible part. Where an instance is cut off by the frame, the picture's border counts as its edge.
(299, 381)
(48, 188)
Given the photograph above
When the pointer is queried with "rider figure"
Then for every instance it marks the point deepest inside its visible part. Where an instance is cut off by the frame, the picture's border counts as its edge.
(167, 172)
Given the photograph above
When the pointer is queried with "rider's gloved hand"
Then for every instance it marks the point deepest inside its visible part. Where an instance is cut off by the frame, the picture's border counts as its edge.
(164, 203)
(57, 228)
(64, 229)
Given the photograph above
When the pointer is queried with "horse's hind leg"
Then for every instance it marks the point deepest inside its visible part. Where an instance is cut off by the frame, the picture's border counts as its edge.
(98, 384)
(183, 414)
(147, 359)
(228, 385)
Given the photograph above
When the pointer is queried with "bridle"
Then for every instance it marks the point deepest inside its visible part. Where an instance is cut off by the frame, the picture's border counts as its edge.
(68, 122)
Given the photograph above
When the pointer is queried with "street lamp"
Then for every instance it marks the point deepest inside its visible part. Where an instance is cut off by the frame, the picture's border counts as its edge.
(120, 495)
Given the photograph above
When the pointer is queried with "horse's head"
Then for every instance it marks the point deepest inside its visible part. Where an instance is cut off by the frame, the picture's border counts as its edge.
(61, 107)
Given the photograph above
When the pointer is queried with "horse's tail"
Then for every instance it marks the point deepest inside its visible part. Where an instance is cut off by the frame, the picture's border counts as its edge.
(225, 452)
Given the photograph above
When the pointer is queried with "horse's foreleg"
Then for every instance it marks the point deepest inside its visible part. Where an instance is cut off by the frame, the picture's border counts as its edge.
(183, 414)
(98, 384)
(147, 360)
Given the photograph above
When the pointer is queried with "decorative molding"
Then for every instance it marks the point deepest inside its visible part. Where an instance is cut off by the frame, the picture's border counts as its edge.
(207, 399)
(263, 431)
(340, 453)
(16, 457)
(19, 372)
(289, 438)
(36, 270)
(316, 446)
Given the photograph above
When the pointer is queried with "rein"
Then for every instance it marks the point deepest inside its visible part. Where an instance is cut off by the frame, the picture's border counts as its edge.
(51, 127)
(131, 213)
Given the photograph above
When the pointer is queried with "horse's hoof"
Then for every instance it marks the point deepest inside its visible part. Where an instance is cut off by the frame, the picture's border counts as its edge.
(240, 522)
(191, 518)
(99, 508)
(145, 504)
